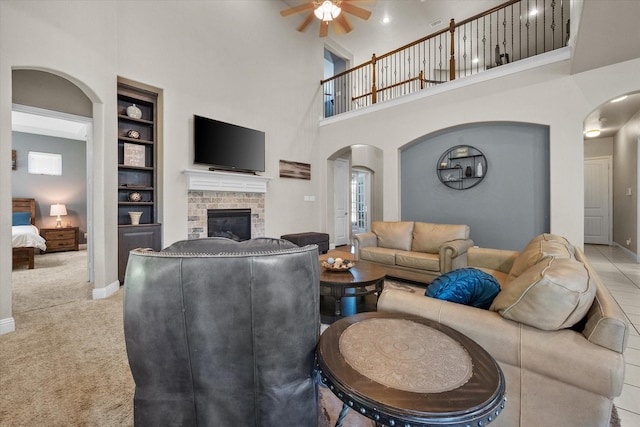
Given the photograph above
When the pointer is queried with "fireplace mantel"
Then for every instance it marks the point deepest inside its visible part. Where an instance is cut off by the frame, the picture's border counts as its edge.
(202, 180)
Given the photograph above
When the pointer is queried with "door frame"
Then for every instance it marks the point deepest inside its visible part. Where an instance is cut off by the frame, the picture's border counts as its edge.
(88, 122)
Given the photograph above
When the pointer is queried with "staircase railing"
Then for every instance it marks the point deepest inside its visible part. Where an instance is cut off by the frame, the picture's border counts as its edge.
(512, 31)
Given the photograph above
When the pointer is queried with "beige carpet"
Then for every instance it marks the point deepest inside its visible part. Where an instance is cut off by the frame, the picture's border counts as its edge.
(66, 363)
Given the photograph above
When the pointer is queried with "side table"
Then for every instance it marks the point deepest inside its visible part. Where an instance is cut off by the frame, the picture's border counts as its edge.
(61, 239)
(406, 371)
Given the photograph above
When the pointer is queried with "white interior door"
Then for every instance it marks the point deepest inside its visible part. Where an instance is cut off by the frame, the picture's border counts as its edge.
(341, 180)
(597, 205)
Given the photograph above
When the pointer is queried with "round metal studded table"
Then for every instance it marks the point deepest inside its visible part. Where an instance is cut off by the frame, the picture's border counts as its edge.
(407, 371)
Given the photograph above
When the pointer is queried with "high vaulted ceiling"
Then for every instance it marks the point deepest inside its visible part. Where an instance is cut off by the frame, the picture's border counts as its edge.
(607, 33)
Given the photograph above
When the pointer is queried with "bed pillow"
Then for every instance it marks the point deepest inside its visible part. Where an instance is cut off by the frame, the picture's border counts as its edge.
(21, 218)
(468, 286)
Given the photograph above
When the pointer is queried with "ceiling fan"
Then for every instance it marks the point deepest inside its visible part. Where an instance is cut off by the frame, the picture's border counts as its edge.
(329, 11)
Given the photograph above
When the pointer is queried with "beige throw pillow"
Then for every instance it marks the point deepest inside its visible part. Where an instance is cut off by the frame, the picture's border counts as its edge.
(393, 234)
(554, 294)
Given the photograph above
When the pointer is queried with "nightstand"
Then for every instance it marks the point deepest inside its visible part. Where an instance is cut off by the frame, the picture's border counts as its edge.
(61, 239)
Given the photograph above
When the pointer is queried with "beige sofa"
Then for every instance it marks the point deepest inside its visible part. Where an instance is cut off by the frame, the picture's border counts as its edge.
(417, 251)
(556, 374)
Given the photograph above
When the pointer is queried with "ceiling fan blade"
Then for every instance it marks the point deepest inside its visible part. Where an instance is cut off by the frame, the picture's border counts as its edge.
(324, 28)
(297, 9)
(306, 22)
(355, 10)
(342, 23)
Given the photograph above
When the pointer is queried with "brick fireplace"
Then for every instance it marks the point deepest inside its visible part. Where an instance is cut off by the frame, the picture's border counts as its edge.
(202, 201)
(224, 191)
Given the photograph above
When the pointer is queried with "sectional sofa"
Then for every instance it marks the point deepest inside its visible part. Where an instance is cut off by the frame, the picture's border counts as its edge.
(554, 328)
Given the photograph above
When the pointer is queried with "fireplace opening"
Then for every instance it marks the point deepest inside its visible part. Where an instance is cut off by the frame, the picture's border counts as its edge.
(233, 224)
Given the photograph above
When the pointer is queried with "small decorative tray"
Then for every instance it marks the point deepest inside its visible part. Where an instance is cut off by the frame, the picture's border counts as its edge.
(338, 264)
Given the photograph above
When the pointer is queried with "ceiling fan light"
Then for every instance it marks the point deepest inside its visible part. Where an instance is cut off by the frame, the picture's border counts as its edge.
(327, 11)
(592, 133)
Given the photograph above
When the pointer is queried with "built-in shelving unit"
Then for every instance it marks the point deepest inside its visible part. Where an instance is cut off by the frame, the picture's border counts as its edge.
(462, 167)
(137, 169)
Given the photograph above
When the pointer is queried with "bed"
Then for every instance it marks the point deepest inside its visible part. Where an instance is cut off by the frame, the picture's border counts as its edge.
(25, 237)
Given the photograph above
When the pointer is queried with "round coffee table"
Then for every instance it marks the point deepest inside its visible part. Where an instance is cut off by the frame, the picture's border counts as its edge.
(406, 371)
(364, 278)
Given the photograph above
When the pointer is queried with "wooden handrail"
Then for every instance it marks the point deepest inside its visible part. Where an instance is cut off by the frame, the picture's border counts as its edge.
(419, 78)
(451, 29)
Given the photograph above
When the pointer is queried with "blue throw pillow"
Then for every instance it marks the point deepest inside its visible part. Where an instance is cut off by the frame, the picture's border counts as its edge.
(21, 218)
(468, 286)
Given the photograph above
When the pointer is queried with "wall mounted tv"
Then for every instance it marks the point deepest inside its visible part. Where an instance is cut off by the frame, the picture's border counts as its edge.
(228, 147)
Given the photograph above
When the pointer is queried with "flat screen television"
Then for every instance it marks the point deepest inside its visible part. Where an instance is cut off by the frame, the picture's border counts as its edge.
(226, 146)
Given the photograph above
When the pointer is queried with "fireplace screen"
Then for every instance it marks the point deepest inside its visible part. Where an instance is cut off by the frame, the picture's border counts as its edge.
(233, 224)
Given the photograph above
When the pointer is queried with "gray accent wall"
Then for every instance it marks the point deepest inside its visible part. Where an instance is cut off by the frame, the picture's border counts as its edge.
(505, 210)
(70, 188)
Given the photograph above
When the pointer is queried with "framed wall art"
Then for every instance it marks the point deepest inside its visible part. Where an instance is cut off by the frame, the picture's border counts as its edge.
(295, 170)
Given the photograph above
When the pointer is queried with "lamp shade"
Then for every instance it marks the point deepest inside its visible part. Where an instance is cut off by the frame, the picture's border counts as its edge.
(58, 209)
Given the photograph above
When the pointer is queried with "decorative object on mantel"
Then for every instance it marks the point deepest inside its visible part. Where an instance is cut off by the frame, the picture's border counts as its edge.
(135, 196)
(135, 217)
(461, 167)
(134, 134)
(134, 112)
(134, 155)
(295, 170)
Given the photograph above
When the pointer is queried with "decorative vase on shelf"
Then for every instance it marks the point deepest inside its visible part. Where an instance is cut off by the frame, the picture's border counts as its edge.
(479, 170)
(468, 172)
(135, 197)
(134, 112)
(135, 217)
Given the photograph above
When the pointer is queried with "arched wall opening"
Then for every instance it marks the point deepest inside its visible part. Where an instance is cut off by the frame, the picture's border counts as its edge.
(356, 156)
(53, 99)
(611, 207)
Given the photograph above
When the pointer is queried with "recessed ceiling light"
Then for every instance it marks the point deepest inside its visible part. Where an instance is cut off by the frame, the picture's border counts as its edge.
(622, 98)
(386, 20)
(533, 12)
(592, 133)
(475, 60)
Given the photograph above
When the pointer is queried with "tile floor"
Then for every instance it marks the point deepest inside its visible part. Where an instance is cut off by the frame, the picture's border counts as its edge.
(621, 275)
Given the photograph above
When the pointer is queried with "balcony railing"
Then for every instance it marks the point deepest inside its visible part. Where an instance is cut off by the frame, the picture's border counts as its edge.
(515, 30)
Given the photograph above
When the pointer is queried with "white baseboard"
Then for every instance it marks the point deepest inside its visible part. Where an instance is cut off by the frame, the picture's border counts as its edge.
(107, 291)
(7, 325)
(630, 254)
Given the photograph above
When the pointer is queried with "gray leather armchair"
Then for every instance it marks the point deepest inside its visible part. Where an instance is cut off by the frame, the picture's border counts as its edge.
(223, 333)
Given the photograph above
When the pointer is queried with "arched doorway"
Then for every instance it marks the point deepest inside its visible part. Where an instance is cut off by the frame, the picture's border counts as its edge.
(355, 158)
(611, 181)
(63, 95)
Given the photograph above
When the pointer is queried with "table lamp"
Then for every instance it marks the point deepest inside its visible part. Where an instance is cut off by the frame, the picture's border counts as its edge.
(57, 210)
